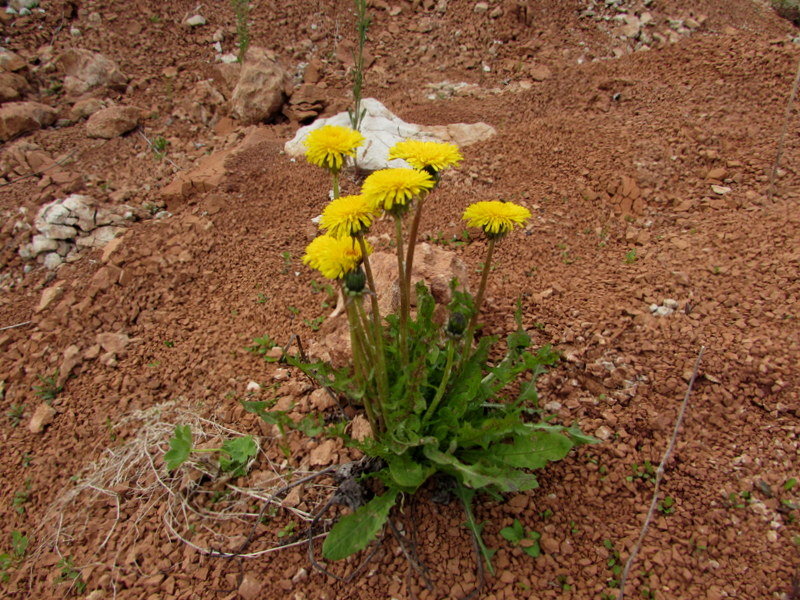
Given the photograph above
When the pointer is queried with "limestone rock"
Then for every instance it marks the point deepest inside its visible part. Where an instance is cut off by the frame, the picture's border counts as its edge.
(86, 70)
(113, 343)
(48, 296)
(112, 122)
(17, 118)
(259, 93)
(382, 130)
(99, 237)
(42, 417)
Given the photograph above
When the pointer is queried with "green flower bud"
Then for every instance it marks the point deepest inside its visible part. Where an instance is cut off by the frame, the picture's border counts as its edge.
(457, 324)
(355, 280)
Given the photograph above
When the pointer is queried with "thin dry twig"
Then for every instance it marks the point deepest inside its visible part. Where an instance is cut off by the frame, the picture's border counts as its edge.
(16, 325)
(659, 475)
(782, 139)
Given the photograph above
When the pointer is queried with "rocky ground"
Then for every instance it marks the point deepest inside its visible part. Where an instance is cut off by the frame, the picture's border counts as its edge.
(152, 226)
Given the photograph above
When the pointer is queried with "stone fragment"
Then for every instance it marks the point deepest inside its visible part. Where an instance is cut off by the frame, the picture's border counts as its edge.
(99, 237)
(42, 243)
(52, 260)
(360, 429)
(720, 189)
(480, 7)
(10, 61)
(259, 93)
(85, 108)
(540, 73)
(382, 130)
(112, 122)
(17, 118)
(86, 70)
(12, 87)
(72, 358)
(321, 400)
(113, 343)
(250, 588)
(59, 232)
(195, 21)
(42, 417)
(48, 296)
(110, 248)
(603, 433)
(323, 455)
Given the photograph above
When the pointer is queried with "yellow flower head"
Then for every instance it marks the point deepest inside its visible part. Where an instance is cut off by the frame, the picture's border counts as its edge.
(390, 188)
(328, 146)
(347, 215)
(333, 257)
(434, 156)
(496, 218)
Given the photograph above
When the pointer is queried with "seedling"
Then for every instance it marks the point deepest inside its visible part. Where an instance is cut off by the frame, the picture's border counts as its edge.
(21, 498)
(294, 310)
(614, 563)
(261, 346)
(8, 560)
(631, 257)
(646, 472)
(789, 484)
(528, 541)
(287, 261)
(169, 344)
(740, 500)
(262, 298)
(667, 505)
(362, 25)
(287, 529)
(70, 573)
(49, 390)
(15, 413)
(26, 460)
(160, 147)
(316, 323)
(234, 456)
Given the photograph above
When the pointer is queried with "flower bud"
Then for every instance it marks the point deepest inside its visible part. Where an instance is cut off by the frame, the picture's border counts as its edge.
(355, 280)
(457, 324)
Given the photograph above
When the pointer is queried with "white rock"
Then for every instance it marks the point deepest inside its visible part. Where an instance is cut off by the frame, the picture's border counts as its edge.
(195, 21)
(52, 260)
(42, 243)
(603, 433)
(253, 386)
(59, 232)
(663, 311)
(52, 213)
(382, 130)
(480, 7)
(720, 189)
(99, 237)
(670, 303)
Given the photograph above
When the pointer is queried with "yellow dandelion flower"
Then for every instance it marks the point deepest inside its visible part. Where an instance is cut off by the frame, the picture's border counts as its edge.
(328, 146)
(347, 215)
(496, 218)
(390, 188)
(334, 257)
(435, 156)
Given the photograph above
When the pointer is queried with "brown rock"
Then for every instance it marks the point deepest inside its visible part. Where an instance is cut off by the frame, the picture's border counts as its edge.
(540, 73)
(206, 176)
(360, 429)
(112, 122)
(42, 417)
(72, 358)
(250, 588)
(86, 70)
(85, 108)
(17, 118)
(259, 93)
(321, 400)
(12, 87)
(9, 61)
(48, 295)
(322, 455)
(113, 343)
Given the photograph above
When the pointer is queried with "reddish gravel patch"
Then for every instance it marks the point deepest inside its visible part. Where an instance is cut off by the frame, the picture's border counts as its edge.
(615, 157)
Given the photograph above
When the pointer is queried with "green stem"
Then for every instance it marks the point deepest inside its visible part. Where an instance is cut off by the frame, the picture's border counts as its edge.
(404, 299)
(335, 178)
(482, 287)
(377, 324)
(448, 367)
(412, 240)
(359, 363)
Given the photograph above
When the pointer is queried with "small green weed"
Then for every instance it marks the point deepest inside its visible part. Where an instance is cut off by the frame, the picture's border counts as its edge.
(262, 298)
(789, 484)
(362, 26)
(15, 414)
(241, 10)
(631, 256)
(21, 498)
(261, 346)
(70, 573)
(49, 390)
(527, 540)
(287, 261)
(614, 563)
(740, 500)
(667, 506)
(160, 144)
(287, 529)
(234, 456)
(9, 560)
(315, 323)
(645, 472)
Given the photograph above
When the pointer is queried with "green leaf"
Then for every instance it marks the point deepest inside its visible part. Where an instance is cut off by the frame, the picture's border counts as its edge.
(789, 484)
(407, 473)
(19, 543)
(530, 545)
(180, 445)
(354, 531)
(480, 475)
(531, 452)
(236, 453)
(514, 533)
(466, 496)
